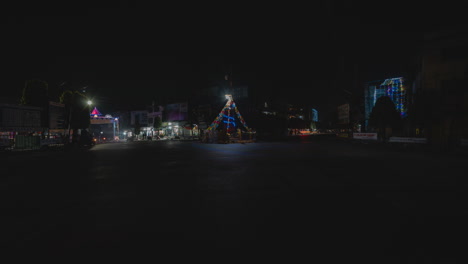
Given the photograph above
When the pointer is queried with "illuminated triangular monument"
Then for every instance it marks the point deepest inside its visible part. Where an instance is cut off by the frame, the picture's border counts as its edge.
(95, 112)
(227, 118)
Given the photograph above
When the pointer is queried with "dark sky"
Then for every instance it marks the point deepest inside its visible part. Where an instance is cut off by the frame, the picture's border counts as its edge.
(132, 51)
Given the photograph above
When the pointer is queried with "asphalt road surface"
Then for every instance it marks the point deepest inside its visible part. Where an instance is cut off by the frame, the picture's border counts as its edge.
(319, 199)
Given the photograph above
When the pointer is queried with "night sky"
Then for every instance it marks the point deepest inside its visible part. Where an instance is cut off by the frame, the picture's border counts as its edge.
(130, 52)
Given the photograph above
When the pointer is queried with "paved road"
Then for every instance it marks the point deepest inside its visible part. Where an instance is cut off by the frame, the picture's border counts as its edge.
(319, 198)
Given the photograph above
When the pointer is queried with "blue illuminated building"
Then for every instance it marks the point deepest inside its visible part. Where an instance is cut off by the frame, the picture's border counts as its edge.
(395, 88)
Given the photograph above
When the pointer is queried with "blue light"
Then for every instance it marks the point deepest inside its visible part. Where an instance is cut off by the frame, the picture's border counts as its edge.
(227, 122)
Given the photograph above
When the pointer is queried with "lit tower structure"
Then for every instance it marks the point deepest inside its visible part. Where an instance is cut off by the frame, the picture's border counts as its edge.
(230, 116)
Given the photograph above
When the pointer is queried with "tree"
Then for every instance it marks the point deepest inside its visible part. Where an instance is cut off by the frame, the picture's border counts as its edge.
(356, 112)
(384, 117)
(157, 124)
(77, 109)
(137, 126)
(35, 93)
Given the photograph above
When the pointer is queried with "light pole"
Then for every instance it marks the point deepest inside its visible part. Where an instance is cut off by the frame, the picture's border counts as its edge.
(90, 103)
(69, 122)
(113, 122)
(72, 102)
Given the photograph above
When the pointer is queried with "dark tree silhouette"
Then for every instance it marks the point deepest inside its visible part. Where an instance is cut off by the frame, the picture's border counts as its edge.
(137, 127)
(384, 117)
(77, 108)
(157, 123)
(35, 93)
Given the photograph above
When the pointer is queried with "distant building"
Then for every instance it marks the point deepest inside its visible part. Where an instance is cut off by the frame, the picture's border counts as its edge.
(314, 115)
(176, 121)
(104, 127)
(155, 112)
(139, 117)
(20, 120)
(395, 88)
(343, 114)
(176, 112)
(439, 109)
(57, 119)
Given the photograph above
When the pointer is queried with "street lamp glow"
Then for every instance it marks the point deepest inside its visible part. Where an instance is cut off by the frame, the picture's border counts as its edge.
(89, 102)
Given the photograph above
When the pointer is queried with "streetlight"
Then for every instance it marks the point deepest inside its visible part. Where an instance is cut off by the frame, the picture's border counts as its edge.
(71, 109)
(89, 102)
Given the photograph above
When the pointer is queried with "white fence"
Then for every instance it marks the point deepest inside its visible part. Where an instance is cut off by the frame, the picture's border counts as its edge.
(407, 140)
(371, 136)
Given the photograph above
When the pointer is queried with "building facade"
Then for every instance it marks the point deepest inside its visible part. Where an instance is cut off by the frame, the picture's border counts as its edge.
(439, 109)
(395, 88)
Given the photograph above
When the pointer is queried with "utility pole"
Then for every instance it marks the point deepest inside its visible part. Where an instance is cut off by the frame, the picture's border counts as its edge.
(69, 121)
(113, 127)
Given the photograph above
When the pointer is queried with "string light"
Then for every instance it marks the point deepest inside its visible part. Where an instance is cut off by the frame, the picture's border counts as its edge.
(230, 104)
